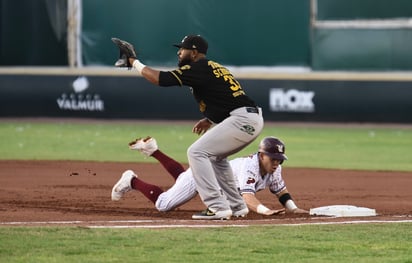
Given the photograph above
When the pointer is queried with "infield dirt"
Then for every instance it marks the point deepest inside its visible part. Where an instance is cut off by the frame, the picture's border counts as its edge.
(62, 191)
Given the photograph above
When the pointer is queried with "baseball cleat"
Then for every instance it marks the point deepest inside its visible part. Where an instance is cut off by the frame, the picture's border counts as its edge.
(209, 215)
(123, 185)
(146, 146)
(241, 213)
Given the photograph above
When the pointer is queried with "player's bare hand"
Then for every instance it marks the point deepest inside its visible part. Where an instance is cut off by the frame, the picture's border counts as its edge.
(271, 212)
(299, 211)
(131, 60)
(201, 126)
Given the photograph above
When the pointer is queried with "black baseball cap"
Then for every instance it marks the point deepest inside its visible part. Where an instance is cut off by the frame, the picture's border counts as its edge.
(273, 147)
(194, 42)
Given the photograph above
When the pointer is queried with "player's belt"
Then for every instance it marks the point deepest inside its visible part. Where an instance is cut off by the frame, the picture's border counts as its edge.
(252, 110)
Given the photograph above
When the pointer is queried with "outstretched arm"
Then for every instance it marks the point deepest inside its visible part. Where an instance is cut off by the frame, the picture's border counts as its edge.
(128, 58)
(152, 75)
(286, 200)
(255, 205)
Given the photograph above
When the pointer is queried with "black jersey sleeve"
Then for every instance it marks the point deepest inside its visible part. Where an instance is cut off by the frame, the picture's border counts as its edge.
(169, 78)
(187, 75)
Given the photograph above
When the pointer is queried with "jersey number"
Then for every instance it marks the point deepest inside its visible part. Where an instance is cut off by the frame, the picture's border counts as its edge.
(234, 84)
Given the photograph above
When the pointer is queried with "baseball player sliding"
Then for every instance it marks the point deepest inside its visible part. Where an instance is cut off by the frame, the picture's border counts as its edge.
(253, 173)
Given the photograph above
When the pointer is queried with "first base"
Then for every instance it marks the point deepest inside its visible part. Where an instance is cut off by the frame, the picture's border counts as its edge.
(342, 211)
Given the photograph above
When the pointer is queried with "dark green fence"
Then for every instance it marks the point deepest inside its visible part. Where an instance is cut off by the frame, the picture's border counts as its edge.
(363, 9)
(363, 45)
(33, 32)
(263, 32)
(240, 33)
(362, 49)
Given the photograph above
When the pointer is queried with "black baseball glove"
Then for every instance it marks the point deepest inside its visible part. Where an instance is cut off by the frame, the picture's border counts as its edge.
(126, 51)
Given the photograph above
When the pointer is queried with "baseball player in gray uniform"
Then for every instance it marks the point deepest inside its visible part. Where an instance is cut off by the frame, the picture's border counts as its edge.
(236, 121)
(252, 174)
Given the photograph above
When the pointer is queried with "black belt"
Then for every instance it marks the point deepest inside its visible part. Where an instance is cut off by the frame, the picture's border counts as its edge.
(252, 110)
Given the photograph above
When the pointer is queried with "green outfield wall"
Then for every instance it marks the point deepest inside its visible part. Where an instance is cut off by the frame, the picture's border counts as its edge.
(264, 32)
(240, 33)
(363, 9)
(33, 33)
(362, 49)
(360, 44)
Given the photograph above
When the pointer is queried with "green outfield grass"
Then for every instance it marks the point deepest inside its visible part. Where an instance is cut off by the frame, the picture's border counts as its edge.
(363, 148)
(316, 243)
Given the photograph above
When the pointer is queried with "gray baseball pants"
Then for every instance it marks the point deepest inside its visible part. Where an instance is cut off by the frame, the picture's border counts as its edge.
(208, 158)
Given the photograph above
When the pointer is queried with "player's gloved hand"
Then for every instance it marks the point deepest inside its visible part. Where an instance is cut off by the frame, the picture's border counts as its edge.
(126, 51)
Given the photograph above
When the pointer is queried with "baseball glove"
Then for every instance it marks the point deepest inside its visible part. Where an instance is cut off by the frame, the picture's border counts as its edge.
(126, 51)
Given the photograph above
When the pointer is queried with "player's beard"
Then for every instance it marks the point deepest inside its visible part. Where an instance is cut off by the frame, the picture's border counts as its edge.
(184, 61)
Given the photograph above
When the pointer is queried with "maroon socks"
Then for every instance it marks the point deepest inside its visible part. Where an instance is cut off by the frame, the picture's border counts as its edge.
(152, 192)
(173, 167)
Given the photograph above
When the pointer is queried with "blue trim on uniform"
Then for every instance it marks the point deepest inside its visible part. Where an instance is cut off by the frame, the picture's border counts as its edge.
(252, 110)
(280, 190)
(247, 191)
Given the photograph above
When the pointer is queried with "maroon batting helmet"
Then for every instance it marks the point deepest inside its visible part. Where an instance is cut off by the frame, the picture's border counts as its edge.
(273, 147)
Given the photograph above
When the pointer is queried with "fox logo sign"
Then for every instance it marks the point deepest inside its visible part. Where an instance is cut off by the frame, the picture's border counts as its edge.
(291, 100)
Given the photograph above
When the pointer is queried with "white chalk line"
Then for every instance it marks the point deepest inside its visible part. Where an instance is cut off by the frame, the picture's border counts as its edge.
(120, 224)
(168, 226)
(102, 223)
(216, 226)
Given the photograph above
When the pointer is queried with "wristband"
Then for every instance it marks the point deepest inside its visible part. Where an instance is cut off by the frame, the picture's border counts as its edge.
(261, 209)
(284, 198)
(138, 65)
(290, 205)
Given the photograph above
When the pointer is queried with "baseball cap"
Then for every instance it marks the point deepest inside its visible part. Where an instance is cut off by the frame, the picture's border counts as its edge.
(273, 147)
(194, 42)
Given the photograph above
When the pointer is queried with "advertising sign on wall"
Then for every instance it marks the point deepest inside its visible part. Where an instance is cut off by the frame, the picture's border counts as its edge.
(135, 98)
